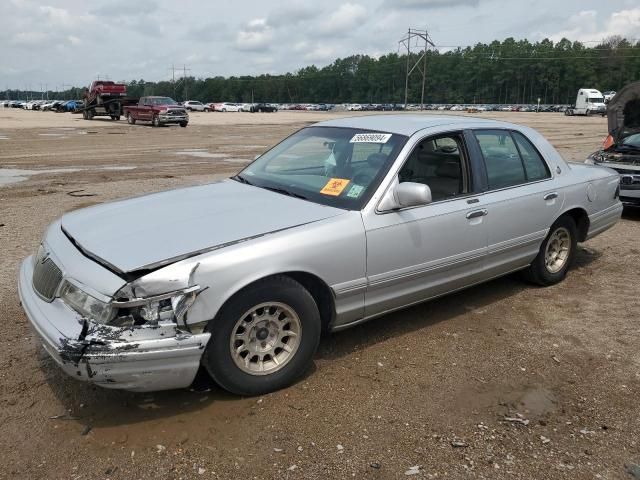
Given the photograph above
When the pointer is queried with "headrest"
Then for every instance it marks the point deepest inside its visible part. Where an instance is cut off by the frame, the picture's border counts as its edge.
(449, 169)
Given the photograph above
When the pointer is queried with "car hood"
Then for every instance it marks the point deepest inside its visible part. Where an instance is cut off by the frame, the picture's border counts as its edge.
(154, 230)
(623, 111)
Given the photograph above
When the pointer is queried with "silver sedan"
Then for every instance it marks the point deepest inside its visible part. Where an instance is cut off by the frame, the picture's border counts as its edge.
(341, 222)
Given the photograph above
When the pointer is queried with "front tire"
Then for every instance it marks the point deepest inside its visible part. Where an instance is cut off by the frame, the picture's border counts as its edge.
(556, 254)
(184, 124)
(264, 338)
(156, 121)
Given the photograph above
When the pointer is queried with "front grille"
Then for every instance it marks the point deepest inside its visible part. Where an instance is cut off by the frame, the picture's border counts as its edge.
(176, 112)
(46, 276)
(626, 171)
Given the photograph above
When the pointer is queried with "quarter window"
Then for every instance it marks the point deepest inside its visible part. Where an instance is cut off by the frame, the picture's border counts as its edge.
(501, 158)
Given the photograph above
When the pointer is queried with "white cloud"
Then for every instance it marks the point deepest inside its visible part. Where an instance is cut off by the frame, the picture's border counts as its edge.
(321, 54)
(345, 19)
(625, 23)
(586, 26)
(428, 4)
(255, 37)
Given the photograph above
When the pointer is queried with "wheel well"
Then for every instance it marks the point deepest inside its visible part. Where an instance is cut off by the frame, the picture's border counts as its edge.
(581, 218)
(320, 292)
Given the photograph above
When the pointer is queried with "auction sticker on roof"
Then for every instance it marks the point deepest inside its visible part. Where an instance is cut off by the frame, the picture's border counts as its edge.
(335, 186)
(370, 138)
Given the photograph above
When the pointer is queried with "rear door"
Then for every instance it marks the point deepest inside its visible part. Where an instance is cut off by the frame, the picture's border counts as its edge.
(522, 198)
(144, 111)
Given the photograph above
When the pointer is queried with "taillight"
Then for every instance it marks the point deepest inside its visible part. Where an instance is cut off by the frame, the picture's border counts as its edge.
(608, 142)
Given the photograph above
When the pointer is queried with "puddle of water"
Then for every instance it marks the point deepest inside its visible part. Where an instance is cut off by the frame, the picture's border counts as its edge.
(14, 175)
(200, 153)
(116, 167)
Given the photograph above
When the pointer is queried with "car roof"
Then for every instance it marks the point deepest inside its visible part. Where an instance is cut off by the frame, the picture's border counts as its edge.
(403, 124)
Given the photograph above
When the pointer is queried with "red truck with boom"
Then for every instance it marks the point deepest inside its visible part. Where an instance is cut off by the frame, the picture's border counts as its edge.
(158, 111)
(105, 98)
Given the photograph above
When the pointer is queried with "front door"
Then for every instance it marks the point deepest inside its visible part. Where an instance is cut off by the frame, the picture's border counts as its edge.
(421, 252)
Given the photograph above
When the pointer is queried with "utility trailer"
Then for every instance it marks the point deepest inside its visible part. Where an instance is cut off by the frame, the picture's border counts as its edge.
(105, 99)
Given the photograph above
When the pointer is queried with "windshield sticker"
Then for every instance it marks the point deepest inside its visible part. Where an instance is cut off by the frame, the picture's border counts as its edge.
(370, 138)
(355, 191)
(335, 186)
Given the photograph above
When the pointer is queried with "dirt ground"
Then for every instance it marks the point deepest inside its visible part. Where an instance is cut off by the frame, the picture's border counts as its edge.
(432, 386)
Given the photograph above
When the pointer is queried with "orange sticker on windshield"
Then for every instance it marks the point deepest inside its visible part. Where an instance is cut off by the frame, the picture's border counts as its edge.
(335, 186)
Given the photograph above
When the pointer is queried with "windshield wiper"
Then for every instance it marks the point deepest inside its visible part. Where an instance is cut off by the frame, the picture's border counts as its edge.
(240, 179)
(285, 192)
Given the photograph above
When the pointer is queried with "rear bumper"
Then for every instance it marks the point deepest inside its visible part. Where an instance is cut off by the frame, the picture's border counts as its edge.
(147, 364)
(604, 220)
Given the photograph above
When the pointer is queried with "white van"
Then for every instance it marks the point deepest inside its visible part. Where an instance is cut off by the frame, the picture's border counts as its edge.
(588, 102)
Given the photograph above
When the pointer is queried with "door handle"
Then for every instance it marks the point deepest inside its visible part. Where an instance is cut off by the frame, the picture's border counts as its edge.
(551, 196)
(477, 213)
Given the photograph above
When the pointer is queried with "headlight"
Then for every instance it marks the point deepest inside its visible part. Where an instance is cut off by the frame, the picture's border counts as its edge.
(85, 304)
(171, 306)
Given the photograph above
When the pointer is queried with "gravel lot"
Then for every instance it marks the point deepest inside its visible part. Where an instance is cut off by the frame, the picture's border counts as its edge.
(503, 380)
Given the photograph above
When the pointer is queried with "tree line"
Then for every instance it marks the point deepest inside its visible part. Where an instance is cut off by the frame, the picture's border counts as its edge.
(509, 71)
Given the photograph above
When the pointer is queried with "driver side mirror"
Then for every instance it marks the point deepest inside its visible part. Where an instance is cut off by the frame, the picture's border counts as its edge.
(406, 194)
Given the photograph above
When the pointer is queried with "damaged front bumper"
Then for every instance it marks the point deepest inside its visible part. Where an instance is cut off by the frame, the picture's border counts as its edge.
(136, 358)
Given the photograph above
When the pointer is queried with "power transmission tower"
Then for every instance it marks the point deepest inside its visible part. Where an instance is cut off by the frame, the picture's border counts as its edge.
(420, 40)
(184, 76)
(173, 79)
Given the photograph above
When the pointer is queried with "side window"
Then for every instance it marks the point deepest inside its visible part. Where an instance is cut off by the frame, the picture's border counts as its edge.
(534, 165)
(501, 158)
(438, 162)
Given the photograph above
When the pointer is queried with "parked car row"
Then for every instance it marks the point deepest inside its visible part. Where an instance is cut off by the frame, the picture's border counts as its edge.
(242, 107)
(43, 105)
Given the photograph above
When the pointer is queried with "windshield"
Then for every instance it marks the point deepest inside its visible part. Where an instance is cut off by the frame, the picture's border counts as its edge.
(340, 167)
(596, 100)
(633, 140)
(162, 101)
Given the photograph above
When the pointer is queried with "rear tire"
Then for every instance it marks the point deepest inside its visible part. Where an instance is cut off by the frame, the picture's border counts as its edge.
(130, 119)
(556, 254)
(264, 338)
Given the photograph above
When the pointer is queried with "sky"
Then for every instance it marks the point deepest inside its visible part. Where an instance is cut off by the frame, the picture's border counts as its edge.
(59, 43)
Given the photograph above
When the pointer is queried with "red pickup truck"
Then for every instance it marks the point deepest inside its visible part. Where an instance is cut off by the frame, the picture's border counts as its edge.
(104, 98)
(157, 110)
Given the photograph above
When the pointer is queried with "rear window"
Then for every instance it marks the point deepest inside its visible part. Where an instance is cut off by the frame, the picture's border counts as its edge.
(510, 159)
(502, 160)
